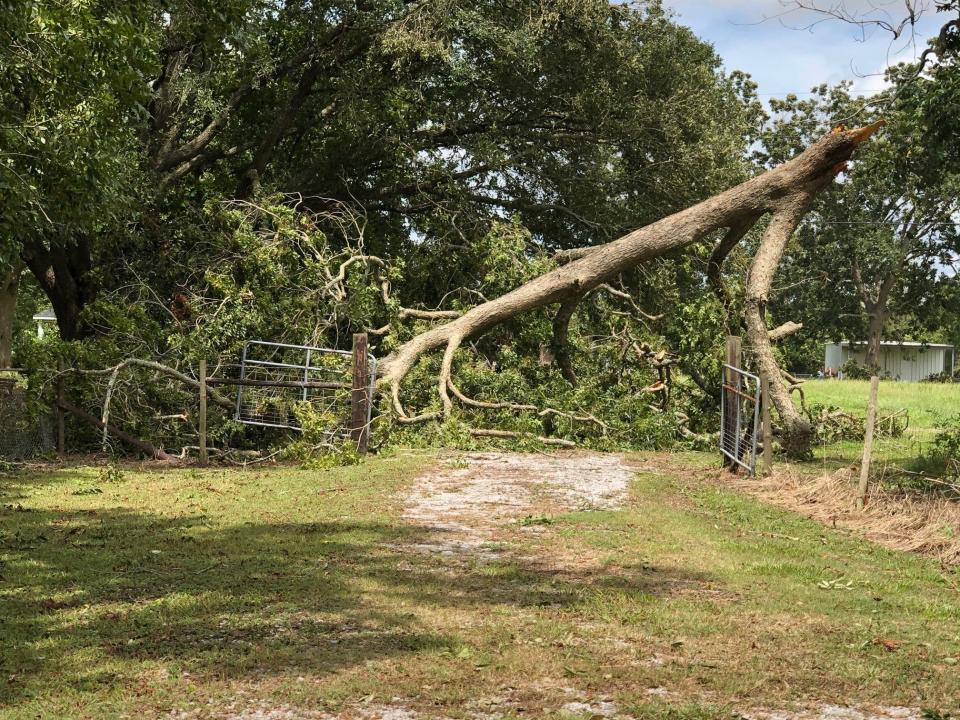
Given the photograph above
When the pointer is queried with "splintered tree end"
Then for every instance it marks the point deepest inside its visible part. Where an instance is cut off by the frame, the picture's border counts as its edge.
(859, 135)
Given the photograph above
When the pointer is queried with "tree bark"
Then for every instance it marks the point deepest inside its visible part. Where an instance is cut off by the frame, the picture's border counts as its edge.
(784, 191)
(561, 338)
(9, 285)
(797, 432)
(64, 272)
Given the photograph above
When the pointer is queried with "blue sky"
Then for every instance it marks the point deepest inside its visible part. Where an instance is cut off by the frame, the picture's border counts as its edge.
(783, 57)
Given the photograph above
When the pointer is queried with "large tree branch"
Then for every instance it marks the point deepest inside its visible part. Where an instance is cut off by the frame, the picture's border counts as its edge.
(141, 445)
(561, 337)
(782, 191)
(170, 157)
(733, 236)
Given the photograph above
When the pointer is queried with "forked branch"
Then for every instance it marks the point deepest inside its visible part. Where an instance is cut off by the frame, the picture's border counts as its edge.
(784, 192)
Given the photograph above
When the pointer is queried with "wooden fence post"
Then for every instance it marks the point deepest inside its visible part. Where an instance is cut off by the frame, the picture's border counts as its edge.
(61, 413)
(731, 400)
(360, 394)
(203, 412)
(868, 441)
(767, 425)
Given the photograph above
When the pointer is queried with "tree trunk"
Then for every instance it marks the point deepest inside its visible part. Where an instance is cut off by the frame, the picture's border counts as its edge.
(878, 319)
(876, 307)
(64, 273)
(797, 432)
(9, 285)
(783, 191)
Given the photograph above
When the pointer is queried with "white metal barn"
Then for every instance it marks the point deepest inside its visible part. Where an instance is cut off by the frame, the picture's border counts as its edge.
(911, 361)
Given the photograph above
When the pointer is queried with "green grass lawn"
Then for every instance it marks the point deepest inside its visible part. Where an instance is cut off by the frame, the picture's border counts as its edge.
(929, 404)
(194, 591)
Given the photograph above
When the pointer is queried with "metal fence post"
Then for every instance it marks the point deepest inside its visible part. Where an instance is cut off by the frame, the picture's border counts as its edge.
(203, 412)
(61, 413)
(767, 426)
(731, 401)
(360, 394)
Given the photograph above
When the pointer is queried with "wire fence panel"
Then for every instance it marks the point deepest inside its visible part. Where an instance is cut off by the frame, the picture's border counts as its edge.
(24, 432)
(275, 378)
(739, 417)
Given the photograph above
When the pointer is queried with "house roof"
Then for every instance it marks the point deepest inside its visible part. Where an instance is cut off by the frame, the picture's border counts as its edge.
(47, 314)
(893, 343)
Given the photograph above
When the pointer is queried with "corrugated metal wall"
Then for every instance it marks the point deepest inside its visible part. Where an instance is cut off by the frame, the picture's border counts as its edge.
(897, 361)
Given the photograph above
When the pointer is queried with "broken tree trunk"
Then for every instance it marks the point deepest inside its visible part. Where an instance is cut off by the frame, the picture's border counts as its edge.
(783, 191)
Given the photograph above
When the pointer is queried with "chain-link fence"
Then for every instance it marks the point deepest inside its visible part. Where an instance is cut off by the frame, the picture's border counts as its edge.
(25, 431)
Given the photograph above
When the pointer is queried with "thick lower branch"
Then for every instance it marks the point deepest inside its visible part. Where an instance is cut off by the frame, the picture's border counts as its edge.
(141, 445)
(798, 434)
(786, 330)
(731, 239)
(510, 435)
(560, 345)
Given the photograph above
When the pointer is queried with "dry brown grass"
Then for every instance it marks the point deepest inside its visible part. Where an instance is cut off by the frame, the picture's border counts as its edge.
(897, 520)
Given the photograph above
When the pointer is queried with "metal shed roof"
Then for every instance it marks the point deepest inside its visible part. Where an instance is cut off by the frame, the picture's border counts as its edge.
(893, 343)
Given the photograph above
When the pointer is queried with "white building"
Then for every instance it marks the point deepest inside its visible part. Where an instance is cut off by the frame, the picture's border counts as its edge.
(42, 318)
(910, 361)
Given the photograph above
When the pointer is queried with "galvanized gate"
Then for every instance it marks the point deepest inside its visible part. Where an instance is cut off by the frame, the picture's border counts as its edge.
(740, 417)
(276, 377)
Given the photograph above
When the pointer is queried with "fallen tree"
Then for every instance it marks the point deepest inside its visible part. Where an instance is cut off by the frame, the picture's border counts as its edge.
(784, 192)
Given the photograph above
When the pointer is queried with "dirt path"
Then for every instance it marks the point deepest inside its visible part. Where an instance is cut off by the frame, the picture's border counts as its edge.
(487, 507)
(473, 504)
(465, 504)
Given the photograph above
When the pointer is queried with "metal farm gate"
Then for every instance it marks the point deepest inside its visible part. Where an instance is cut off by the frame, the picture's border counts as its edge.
(275, 377)
(740, 417)
(276, 380)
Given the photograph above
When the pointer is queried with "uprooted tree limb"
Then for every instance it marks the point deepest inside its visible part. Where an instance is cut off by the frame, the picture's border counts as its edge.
(141, 445)
(103, 423)
(784, 192)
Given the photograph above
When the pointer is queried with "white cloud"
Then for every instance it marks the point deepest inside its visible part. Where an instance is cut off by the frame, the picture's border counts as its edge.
(785, 54)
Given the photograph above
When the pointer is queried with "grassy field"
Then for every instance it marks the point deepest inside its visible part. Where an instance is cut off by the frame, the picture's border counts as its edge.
(190, 594)
(929, 404)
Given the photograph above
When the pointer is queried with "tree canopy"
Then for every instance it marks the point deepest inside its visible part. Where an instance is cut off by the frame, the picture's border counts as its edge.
(179, 176)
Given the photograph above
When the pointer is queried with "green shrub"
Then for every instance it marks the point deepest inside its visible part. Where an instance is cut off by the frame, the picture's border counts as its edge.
(947, 448)
(852, 370)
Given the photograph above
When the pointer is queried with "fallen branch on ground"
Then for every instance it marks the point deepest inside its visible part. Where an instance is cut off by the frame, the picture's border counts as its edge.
(509, 434)
(785, 192)
(141, 445)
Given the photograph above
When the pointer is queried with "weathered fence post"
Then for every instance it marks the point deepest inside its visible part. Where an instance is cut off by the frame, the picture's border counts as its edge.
(868, 441)
(61, 413)
(767, 425)
(731, 381)
(203, 412)
(360, 395)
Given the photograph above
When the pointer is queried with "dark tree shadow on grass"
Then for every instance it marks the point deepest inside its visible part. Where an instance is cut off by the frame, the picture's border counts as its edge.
(246, 600)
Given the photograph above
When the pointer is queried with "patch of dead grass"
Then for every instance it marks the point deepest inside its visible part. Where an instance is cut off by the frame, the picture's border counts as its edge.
(897, 520)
